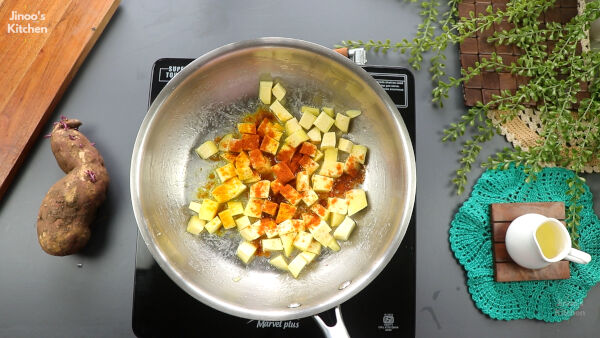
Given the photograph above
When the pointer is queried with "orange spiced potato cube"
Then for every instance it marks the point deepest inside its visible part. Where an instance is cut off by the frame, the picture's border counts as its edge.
(286, 211)
(283, 172)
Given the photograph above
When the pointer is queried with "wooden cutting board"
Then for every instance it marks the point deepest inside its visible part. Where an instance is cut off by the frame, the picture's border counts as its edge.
(42, 44)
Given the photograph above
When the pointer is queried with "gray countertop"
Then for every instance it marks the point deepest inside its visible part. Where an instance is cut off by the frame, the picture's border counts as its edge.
(48, 296)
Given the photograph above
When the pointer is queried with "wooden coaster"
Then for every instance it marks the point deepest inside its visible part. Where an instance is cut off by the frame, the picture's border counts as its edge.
(505, 270)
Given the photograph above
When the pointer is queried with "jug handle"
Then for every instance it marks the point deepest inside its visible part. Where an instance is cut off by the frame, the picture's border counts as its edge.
(578, 256)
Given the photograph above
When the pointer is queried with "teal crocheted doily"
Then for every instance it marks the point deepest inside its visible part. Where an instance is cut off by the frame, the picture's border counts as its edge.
(470, 240)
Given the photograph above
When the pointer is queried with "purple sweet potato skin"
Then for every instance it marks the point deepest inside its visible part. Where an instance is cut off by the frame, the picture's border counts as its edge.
(71, 204)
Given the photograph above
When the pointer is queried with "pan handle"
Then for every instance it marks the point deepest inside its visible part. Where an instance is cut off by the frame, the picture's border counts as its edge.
(336, 331)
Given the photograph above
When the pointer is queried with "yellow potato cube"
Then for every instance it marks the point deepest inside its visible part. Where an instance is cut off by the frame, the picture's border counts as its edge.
(245, 251)
(253, 208)
(245, 174)
(328, 140)
(285, 227)
(332, 169)
(296, 265)
(322, 183)
(302, 240)
(302, 181)
(195, 206)
(252, 179)
(344, 230)
(195, 225)
(352, 166)
(314, 247)
(336, 219)
(229, 157)
(328, 111)
(318, 155)
(227, 219)
(357, 200)
(324, 122)
(242, 160)
(337, 205)
(342, 122)
(224, 143)
(229, 190)
(307, 256)
(264, 91)
(296, 139)
(279, 262)
(278, 91)
(345, 145)
(288, 243)
(314, 135)
(213, 225)
(242, 222)
(311, 110)
(321, 233)
(250, 233)
(307, 120)
(353, 113)
(226, 172)
(333, 244)
(236, 208)
(292, 126)
(260, 189)
(330, 155)
(273, 244)
(208, 209)
(298, 224)
(309, 197)
(280, 111)
(246, 128)
(207, 149)
(359, 152)
(320, 211)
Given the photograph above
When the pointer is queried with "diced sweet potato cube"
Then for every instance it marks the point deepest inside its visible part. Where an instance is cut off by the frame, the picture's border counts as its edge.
(260, 189)
(283, 172)
(250, 141)
(286, 211)
(309, 149)
(253, 208)
(229, 157)
(302, 181)
(276, 186)
(311, 220)
(269, 145)
(290, 194)
(242, 160)
(236, 145)
(308, 164)
(257, 160)
(295, 162)
(285, 154)
(269, 227)
(247, 128)
(269, 208)
(264, 125)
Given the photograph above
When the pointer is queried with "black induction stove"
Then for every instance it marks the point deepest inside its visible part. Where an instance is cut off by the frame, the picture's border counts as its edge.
(385, 308)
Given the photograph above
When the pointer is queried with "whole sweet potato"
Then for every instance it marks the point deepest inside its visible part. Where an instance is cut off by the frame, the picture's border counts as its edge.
(70, 206)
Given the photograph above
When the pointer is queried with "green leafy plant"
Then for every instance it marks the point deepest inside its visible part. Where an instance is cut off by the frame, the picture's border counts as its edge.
(570, 133)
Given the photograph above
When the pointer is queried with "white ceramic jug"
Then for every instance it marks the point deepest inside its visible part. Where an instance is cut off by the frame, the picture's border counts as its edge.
(534, 241)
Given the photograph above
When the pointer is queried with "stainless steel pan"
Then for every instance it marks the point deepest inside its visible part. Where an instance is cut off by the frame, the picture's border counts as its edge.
(205, 100)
